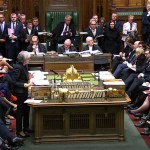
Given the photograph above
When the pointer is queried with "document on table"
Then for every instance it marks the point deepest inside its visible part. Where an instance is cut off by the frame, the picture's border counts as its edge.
(28, 101)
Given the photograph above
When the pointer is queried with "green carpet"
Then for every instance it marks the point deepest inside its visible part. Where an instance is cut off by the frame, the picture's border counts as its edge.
(133, 140)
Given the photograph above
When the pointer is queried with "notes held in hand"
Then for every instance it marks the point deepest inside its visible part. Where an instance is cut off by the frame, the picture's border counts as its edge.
(10, 31)
(131, 66)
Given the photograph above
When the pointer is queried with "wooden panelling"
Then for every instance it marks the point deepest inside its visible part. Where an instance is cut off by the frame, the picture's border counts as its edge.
(134, 3)
(120, 3)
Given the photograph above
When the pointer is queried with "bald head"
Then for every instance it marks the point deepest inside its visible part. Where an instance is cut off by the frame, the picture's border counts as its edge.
(67, 43)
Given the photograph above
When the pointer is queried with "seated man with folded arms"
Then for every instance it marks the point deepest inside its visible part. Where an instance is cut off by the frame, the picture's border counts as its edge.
(35, 46)
(90, 45)
(67, 47)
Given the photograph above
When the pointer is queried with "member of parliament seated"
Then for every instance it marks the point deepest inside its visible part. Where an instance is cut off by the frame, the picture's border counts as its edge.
(67, 47)
(8, 141)
(64, 30)
(90, 45)
(35, 46)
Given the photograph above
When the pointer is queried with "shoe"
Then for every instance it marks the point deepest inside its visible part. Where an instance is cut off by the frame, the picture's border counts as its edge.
(7, 147)
(130, 105)
(22, 135)
(138, 115)
(17, 139)
(28, 130)
(141, 125)
(135, 114)
(145, 133)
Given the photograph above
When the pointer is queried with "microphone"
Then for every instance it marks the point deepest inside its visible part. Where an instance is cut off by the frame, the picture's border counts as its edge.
(54, 71)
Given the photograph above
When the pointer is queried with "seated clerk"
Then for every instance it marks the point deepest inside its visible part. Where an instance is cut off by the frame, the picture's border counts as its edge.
(66, 47)
(90, 45)
(131, 59)
(64, 30)
(122, 55)
(94, 31)
(27, 34)
(35, 46)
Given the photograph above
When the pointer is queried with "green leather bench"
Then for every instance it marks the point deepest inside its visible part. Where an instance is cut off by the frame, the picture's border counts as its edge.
(54, 17)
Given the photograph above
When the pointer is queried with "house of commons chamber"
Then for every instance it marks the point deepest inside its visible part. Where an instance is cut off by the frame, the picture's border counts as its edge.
(74, 74)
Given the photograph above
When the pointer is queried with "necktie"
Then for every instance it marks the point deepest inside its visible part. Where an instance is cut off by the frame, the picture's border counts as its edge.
(14, 25)
(94, 32)
(1, 27)
(130, 26)
(65, 31)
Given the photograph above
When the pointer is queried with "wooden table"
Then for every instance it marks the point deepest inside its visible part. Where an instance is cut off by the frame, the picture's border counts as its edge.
(59, 64)
(82, 120)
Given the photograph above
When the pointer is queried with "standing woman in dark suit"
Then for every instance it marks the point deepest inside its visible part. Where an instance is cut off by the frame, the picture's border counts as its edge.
(112, 38)
(20, 75)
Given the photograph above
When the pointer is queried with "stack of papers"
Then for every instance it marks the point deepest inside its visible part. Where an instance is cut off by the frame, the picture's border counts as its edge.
(114, 83)
(106, 75)
(31, 101)
(39, 78)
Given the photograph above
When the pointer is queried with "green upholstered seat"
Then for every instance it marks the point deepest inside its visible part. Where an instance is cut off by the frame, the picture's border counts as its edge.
(54, 17)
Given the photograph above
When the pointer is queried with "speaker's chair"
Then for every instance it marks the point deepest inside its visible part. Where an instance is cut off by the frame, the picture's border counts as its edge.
(54, 17)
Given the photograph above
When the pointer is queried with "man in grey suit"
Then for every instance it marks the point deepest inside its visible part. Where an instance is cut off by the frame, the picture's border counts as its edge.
(67, 47)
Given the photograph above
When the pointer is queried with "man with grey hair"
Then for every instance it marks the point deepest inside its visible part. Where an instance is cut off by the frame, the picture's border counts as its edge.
(64, 30)
(90, 45)
(67, 47)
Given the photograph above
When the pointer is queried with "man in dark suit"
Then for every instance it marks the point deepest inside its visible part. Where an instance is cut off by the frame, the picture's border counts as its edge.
(2, 35)
(94, 31)
(36, 25)
(22, 19)
(118, 24)
(139, 80)
(67, 47)
(13, 36)
(90, 45)
(64, 30)
(35, 46)
(27, 34)
(146, 25)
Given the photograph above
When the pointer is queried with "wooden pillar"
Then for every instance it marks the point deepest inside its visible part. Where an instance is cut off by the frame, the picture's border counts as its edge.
(94, 7)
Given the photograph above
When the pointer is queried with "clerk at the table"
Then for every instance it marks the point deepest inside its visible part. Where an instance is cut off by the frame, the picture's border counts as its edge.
(35, 46)
(67, 47)
(90, 45)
